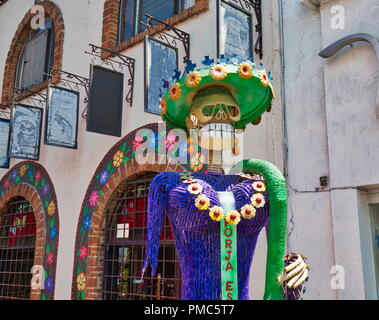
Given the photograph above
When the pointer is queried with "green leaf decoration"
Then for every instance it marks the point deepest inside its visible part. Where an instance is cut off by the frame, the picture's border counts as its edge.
(82, 295)
(109, 165)
(52, 223)
(100, 192)
(43, 296)
(81, 229)
(46, 204)
(123, 147)
(85, 210)
(78, 270)
(48, 248)
(18, 179)
(43, 182)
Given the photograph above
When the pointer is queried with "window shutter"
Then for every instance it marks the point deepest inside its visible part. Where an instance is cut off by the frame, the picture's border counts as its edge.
(34, 60)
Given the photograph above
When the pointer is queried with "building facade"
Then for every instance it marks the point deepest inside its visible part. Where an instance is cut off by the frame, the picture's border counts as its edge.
(64, 210)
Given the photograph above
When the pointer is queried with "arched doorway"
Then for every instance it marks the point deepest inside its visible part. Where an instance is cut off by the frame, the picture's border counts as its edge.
(17, 248)
(124, 247)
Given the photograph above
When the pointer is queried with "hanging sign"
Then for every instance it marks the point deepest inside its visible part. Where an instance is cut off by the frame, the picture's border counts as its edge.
(62, 118)
(25, 132)
(4, 138)
(228, 254)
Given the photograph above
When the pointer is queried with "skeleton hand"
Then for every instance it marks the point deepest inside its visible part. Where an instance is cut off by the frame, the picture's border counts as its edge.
(294, 275)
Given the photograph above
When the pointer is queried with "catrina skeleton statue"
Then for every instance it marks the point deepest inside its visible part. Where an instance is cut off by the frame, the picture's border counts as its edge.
(215, 217)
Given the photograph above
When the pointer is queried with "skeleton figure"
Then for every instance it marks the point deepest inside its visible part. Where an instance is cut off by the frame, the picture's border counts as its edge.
(210, 104)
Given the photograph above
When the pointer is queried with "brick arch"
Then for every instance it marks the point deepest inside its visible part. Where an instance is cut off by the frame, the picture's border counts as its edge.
(31, 181)
(88, 250)
(18, 42)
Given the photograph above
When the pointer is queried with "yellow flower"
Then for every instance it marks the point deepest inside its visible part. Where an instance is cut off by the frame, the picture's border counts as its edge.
(258, 200)
(163, 106)
(22, 170)
(202, 202)
(193, 79)
(218, 72)
(197, 161)
(118, 158)
(245, 70)
(51, 208)
(264, 78)
(195, 188)
(248, 211)
(259, 186)
(81, 281)
(233, 217)
(216, 213)
(175, 91)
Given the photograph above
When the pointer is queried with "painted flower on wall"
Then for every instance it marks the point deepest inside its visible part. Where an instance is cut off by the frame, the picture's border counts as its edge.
(175, 91)
(81, 281)
(87, 222)
(170, 141)
(6, 183)
(104, 176)
(83, 252)
(193, 79)
(53, 232)
(38, 176)
(46, 189)
(197, 161)
(51, 208)
(50, 258)
(93, 198)
(118, 158)
(218, 72)
(23, 169)
(245, 70)
(137, 143)
(49, 284)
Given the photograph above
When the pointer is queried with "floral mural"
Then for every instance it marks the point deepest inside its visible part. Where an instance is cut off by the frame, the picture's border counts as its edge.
(34, 175)
(124, 151)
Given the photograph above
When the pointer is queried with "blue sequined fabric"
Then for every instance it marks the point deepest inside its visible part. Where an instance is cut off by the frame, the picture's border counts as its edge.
(197, 236)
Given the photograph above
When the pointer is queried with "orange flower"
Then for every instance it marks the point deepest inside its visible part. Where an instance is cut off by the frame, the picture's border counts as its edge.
(51, 208)
(175, 91)
(22, 170)
(118, 158)
(245, 70)
(193, 79)
(81, 281)
(264, 78)
(163, 106)
(218, 72)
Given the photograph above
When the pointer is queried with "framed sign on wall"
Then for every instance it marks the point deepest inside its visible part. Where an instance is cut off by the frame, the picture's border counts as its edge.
(161, 61)
(25, 132)
(235, 30)
(4, 139)
(62, 118)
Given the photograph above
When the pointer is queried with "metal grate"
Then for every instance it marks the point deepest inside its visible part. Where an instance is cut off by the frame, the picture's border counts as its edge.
(17, 240)
(124, 248)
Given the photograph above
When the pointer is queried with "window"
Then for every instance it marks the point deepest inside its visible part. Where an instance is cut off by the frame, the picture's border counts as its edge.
(133, 11)
(17, 240)
(124, 249)
(36, 57)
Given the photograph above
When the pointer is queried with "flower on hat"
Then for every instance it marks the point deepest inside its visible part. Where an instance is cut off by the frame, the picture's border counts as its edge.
(216, 213)
(264, 78)
(190, 180)
(258, 200)
(259, 186)
(197, 161)
(163, 105)
(245, 70)
(218, 72)
(193, 79)
(195, 188)
(175, 91)
(248, 211)
(233, 217)
(202, 202)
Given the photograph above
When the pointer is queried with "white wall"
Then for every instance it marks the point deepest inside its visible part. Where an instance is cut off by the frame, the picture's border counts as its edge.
(72, 170)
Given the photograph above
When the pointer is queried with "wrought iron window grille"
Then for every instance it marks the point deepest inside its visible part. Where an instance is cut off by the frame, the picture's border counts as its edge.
(250, 5)
(170, 39)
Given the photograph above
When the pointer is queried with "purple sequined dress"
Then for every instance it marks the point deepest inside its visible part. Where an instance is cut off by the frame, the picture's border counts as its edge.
(197, 236)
